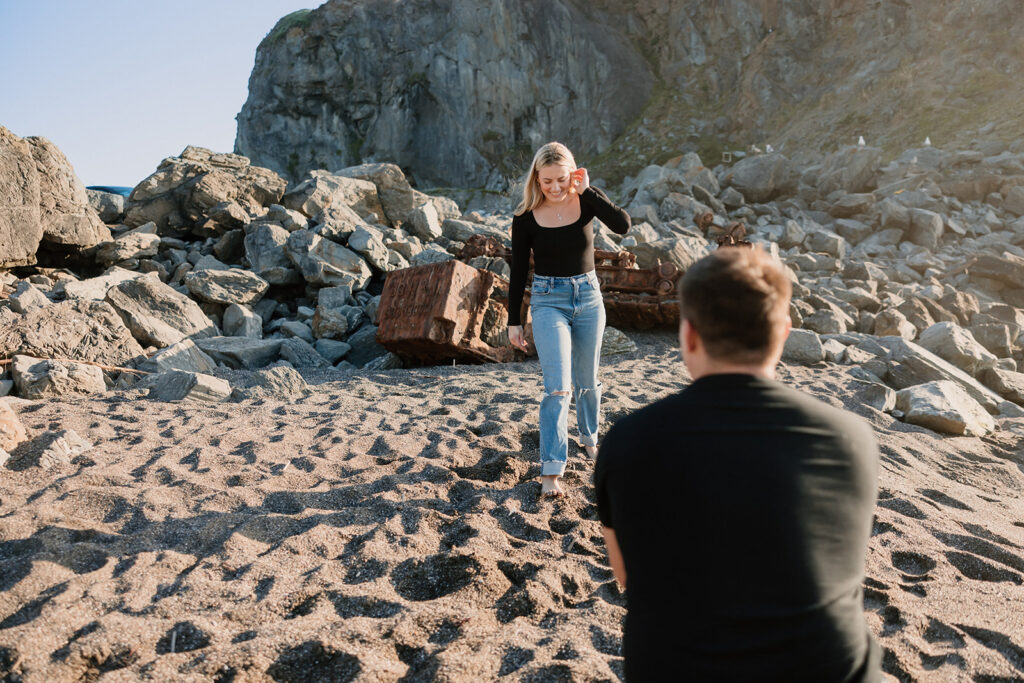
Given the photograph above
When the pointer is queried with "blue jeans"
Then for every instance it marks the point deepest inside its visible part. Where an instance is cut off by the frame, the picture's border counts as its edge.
(568, 324)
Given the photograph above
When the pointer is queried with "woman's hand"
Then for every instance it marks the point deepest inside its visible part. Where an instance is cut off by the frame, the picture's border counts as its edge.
(516, 337)
(580, 180)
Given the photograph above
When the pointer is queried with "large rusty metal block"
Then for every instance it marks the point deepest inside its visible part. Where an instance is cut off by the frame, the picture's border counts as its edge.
(444, 311)
(637, 298)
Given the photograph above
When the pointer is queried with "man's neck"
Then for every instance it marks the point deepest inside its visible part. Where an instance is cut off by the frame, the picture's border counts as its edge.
(722, 368)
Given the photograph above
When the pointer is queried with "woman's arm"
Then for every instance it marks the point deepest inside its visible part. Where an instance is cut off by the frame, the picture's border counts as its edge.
(606, 211)
(520, 267)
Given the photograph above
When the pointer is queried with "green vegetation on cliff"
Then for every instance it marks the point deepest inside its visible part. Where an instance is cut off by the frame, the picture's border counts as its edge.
(297, 19)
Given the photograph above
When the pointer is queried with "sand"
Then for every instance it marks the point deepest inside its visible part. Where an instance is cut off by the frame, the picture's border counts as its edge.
(387, 527)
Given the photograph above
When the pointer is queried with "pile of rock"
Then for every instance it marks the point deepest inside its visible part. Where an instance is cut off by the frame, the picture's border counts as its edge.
(214, 263)
(910, 272)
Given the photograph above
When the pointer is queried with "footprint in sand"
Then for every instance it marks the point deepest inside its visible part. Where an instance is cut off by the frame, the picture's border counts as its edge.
(983, 548)
(974, 567)
(315, 661)
(514, 659)
(433, 577)
(912, 564)
(446, 632)
(999, 642)
(902, 506)
(183, 637)
(943, 499)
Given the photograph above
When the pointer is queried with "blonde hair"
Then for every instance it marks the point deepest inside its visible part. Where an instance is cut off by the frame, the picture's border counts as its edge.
(552, 153)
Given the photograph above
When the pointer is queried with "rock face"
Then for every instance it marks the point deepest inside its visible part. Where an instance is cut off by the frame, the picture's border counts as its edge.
(466, 86)
(460, 92)
(68, 218)
(41, 199)
(20, 227)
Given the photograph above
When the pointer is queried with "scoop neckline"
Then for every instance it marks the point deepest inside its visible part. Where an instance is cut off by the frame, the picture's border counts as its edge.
(556, 227)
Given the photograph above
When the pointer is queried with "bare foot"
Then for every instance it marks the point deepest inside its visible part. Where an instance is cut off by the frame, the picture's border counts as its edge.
(591, 452)
(549, 487)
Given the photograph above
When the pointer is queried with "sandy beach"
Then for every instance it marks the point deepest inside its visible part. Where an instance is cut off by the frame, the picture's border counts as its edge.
(387, 527)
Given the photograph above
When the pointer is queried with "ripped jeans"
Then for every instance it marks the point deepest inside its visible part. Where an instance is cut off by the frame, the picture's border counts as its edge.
(568, 324)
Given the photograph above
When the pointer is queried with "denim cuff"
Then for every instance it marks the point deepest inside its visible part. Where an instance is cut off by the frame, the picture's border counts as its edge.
(550, 468)
(588, 440)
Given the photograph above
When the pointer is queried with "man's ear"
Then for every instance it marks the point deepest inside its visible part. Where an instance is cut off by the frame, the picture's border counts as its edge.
(688, 337)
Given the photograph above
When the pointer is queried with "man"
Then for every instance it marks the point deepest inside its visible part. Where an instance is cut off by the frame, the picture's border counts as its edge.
(739, 509)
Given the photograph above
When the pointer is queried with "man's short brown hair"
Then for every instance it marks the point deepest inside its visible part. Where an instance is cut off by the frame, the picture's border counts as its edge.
(737, 299)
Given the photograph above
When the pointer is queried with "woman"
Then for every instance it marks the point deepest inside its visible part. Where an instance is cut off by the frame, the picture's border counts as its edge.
(554, 221)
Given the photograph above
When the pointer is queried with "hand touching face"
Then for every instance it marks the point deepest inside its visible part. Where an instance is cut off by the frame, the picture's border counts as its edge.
(580, 180)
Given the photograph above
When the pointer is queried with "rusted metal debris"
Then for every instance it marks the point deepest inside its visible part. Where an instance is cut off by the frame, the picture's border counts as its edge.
(451, 310)
(445, 311)
(704, 221)
(634, 298)
(733, 236)
(637, 298)
(484, 245)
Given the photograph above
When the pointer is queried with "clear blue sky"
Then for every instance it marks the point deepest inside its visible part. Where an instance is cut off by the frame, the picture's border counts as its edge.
(119, 85)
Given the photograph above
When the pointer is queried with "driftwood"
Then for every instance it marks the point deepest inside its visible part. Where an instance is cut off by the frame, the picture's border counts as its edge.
(110, 368)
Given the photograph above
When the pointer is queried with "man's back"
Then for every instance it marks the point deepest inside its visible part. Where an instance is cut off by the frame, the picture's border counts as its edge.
(743, 510)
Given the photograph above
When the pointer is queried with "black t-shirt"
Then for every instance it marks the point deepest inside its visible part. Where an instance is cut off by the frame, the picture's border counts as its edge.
(563, 251)
(743, 510)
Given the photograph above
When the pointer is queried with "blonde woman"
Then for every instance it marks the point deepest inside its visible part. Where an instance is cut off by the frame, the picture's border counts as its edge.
(554, 221)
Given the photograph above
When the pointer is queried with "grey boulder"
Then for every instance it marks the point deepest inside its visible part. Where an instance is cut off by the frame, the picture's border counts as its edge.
(302, 354)
(911, 364)
(96, 288)
(803, 347)
(108, 205)
(226, 286)
(37, 378)
(184, 355)
(265, 251)
(179, 385)
(157, 314)
(79, 329)
(27, 297)
(682, 252)
(314, 195)
(131, 245)
(951, 342)
(241, 352)
(944, 406)
(241, 321)
(762, 177)
(325, 263)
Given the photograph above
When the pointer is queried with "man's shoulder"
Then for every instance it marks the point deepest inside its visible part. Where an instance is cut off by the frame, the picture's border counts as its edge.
(640, 421)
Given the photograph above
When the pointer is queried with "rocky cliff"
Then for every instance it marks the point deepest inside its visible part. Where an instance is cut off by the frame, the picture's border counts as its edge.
(459, 93)
(454, 91)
